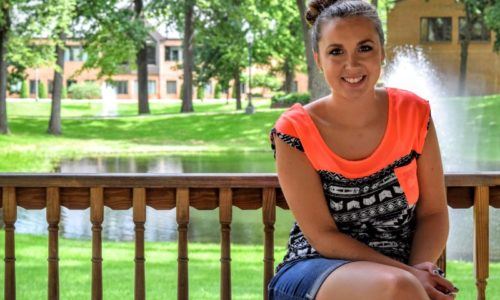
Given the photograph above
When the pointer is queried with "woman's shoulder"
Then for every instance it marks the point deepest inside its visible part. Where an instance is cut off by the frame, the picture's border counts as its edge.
(406, 98)
(290, 119)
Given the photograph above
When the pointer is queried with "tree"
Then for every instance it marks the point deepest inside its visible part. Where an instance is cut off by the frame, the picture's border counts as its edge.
(482, 11)
(5, 23)
(142, 63)
(316, 82)
(188, 56)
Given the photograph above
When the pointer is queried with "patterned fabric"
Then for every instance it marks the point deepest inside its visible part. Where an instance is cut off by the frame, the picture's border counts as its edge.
(377, 209)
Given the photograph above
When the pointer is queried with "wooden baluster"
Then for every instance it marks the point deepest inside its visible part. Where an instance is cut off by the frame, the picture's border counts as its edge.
(481, 239)
(53, 211)
(225, 217)
(441, 263)
(139, 202)
(9, 218)
(269, 217)
(182, 215)
(96, 218)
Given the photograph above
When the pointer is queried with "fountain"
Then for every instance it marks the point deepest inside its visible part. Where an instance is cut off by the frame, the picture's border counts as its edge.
(109, 101)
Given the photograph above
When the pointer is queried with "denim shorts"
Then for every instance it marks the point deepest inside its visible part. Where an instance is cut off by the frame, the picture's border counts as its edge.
(302, 279)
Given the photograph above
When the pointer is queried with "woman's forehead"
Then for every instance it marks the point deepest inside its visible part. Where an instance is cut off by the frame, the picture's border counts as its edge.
(348, 29)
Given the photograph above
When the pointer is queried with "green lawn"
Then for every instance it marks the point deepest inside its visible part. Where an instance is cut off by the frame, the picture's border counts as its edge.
(215, 126)
(30, 149)
(161, 270)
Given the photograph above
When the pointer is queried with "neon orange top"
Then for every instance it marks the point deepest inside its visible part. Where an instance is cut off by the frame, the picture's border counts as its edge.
(364, 196)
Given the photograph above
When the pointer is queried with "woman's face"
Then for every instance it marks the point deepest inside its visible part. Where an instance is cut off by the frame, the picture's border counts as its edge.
(350, 55)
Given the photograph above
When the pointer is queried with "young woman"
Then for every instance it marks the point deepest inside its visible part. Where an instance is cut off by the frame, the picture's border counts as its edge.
(361, 172)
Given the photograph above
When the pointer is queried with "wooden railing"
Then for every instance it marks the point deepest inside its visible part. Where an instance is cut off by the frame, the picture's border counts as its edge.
(201, 191)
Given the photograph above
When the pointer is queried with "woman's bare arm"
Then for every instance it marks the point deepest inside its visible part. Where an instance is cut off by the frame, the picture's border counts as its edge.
(432, 210)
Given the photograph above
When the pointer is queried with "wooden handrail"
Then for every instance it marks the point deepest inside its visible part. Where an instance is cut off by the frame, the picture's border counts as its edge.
(203, 192)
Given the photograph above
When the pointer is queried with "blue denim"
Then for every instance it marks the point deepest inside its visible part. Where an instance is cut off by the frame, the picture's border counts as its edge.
(302, 279)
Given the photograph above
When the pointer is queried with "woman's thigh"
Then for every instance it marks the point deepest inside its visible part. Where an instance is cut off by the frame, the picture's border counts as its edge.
(369, 280)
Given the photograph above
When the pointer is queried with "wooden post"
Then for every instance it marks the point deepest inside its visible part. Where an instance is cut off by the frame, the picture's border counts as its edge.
(481, 239)
(9, 218)
(96, 218)
(441, 263)
(269, 218)
(225, 217)
(139, 202)
(53, 217)
(182, 215)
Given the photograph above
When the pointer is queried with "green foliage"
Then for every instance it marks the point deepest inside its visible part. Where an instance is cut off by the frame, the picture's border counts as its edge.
(85, 90)
(25, 93)
(42, 90)
(265, 81)
(217, 91)
(200, 92)
(286, 100)
(492, 20)
(64, 92)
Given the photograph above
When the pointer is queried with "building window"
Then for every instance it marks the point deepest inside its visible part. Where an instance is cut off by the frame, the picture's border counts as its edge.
(74, 53)
(172, 53)
(32, 86)
(295, 87)
(435, 29)
(121, 86)
(16, 87)
(151, 52)
(172, 87)
(151, 87)
(479, 30)
(208, 88)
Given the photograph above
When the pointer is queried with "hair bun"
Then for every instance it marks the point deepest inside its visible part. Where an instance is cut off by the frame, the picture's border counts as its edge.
(315, 7)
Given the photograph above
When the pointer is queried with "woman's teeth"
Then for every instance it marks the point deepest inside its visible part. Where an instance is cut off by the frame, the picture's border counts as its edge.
(353, 79)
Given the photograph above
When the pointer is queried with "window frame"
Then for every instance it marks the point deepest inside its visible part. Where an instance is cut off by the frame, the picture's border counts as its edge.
(426, 39)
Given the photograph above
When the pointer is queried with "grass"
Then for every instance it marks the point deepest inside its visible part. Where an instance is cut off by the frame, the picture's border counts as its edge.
(161, 270)
(30, 149)
(215, 127)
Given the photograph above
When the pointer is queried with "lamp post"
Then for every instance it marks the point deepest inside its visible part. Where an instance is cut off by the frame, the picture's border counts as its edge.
(249, 37)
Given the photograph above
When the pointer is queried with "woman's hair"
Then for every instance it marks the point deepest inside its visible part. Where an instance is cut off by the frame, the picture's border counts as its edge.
(321, 11)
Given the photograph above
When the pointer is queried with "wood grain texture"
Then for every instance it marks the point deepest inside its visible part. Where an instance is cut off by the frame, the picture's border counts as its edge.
(9, 218)
(268, 218)
(481, 239)
(96, 218)
(225, 218)
(182, 216)
(139, 216)
(53, 217)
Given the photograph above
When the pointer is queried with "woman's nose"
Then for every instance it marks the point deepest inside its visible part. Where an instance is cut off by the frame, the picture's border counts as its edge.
(352, 61)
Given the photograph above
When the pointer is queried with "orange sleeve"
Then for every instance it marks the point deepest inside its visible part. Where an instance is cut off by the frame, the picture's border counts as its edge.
(423, 126)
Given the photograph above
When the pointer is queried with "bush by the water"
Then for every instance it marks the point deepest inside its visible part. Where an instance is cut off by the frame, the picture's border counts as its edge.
(42, 91)
(25, 93)
(281, 99)
(86, 90)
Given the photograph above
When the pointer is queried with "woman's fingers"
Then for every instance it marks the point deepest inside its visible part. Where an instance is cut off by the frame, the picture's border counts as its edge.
(443, 282)
(435, 294)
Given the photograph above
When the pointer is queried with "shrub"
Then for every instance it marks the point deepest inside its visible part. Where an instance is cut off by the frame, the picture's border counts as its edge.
(42, 91)
(218, 91)
(86, 90)
(25, 93)
(200, 92)
(282, 100)
(64, 92)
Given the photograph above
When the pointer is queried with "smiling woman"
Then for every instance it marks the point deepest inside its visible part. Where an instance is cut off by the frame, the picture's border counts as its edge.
(361, 172)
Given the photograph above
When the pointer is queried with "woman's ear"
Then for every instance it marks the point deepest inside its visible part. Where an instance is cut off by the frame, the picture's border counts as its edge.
(318, 63)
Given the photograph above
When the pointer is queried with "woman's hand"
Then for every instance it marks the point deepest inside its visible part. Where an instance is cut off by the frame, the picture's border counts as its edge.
(436, 286)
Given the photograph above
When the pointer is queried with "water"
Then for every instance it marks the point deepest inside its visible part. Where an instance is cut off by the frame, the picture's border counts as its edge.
(462, 140)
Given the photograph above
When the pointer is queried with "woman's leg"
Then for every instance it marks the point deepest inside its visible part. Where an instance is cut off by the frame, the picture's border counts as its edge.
(369, 280)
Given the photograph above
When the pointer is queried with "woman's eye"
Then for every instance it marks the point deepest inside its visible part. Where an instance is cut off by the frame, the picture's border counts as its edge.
(365, 48)
(336, 51)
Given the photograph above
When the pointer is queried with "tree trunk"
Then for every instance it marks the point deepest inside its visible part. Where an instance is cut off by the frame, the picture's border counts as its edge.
(188, 56)
(142, 66)
(55, 111)
(237, 86)
(374, 3)
(316, 82)
(464, 50)
(4, 32)
(289, 71)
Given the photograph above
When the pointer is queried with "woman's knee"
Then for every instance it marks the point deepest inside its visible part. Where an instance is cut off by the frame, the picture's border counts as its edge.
(376, 280)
